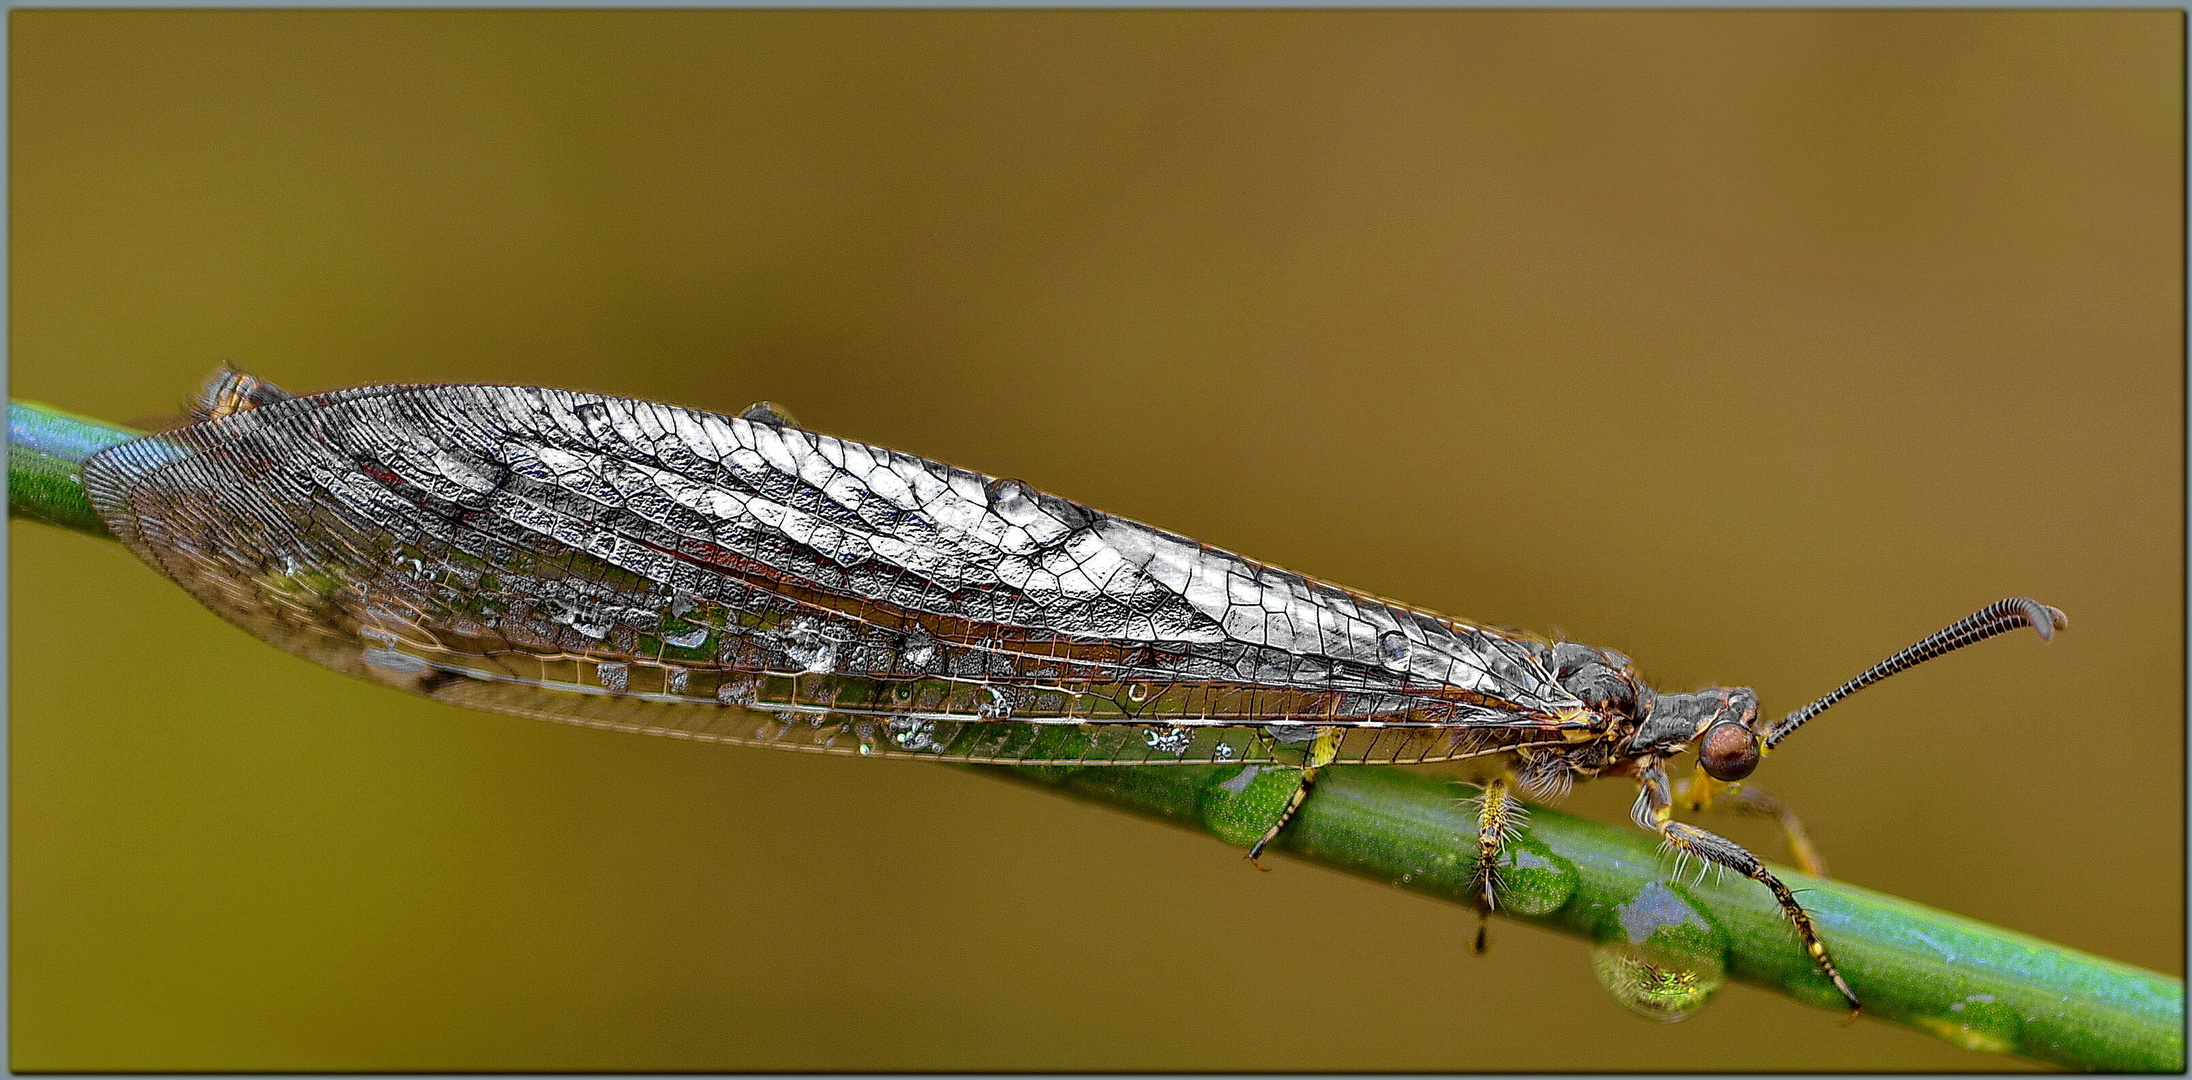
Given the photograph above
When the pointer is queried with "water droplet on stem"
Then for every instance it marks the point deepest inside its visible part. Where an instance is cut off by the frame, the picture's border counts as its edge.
(1658, 955)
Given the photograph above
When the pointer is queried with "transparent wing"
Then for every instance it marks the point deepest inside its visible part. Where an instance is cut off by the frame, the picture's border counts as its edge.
(571, 547)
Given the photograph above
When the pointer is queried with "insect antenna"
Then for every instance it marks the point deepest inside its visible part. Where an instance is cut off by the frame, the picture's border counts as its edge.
(1997, 618)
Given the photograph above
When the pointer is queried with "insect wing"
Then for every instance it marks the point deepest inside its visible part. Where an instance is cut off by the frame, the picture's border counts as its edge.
(573, 556)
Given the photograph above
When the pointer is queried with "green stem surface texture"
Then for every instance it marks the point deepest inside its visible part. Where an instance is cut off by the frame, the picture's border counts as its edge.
(1978, 986)
(45, 448)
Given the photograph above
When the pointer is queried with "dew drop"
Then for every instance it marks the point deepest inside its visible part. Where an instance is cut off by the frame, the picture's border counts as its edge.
(614, 677)
(808, 645)
(593, 624)
(674, 680)
(1137, 692)
(691, 639)
(918, 736)
(1008, 496)
(998, 704)
(1656, 985)
(1223, 751)
(1658, 955)
(595, 416)
(1393, 647)
(770, 413)
(1533, 881)
(1169, 740)
(917, 652)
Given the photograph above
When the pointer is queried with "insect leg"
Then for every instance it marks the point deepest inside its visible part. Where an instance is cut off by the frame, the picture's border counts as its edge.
(1498, 814)
(1744, 799)
(1321, 754)
(1307, 779)
(1655, 811)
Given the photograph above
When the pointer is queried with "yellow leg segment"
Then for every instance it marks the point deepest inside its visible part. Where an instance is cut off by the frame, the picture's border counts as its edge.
(1498, 814)
(1321, 753)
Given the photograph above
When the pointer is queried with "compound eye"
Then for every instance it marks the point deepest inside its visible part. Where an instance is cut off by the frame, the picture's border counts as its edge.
(1728, 752)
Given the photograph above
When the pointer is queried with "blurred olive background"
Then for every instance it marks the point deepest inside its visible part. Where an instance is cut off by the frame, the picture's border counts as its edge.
(1756, 345)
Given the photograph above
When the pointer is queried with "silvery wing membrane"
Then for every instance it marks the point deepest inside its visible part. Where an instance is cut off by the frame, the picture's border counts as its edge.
(648, 567)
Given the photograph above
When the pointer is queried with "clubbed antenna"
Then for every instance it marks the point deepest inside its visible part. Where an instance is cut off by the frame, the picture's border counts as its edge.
(1997, 618)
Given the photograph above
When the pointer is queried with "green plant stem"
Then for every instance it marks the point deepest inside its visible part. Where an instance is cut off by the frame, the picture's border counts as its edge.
(1976, 985)
(1979, 986)
(45, 448)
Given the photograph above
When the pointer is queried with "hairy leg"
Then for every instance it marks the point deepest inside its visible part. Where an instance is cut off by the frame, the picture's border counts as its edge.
(1498, 815)
(1702, 792)
(1655, 811)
